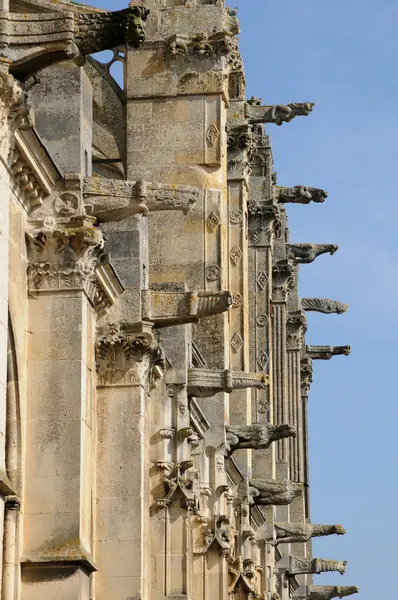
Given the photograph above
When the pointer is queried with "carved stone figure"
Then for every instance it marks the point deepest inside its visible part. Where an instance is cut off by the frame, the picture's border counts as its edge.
(257, 436)
(327, 352)
(300, 194)
(327, 592)
(204, 383)
(294, 533)
(271, 491)
(308, 566)
(323, 305)
(277, 113)
(166, 307)
(307, 253)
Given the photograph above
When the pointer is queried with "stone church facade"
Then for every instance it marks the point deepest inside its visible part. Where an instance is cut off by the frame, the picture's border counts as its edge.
(154, 371)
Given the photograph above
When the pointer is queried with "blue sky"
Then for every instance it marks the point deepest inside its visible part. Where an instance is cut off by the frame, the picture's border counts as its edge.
(343, 56)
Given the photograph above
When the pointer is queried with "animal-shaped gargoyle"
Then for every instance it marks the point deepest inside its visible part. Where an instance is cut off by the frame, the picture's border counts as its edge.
(257, 437)
(293, 533)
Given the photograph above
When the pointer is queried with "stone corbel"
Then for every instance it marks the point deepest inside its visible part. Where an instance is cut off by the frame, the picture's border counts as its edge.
(264, 223)
(114, 200)
(327, 592)
(257, 436)
(128, 358)
(323, 305)
(314, 566)
(299, 194)
(277, 113)
(265, 492)
(307, 253)
(205, 383)
(33, 41)
(240, 147)
(326, 352)
(182, 482)
(166, 308)
(306, 375)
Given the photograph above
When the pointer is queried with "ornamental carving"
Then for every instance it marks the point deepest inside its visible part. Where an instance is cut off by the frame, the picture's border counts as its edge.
(323, 305)
(307, 253)
(258, 437)
(296, 326)
(10, 107)
(237, 300)
(202, 47)
(262, 280)
(235, 216)
(235, 255)
(213, 222)
(282, 280)
(264, 223)
(212, 134)
(125, 358)
(277, 113)
(213, 273)
(182, 484)
(236, 342)
(294, 533)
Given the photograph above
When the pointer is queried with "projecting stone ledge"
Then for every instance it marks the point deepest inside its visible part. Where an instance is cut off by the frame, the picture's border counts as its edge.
(257, 437)
(326, 592)
(204, 383)
(166, 308)
(323, 305)
(300, 194)
(276, 113)
(307, 253)
(294, 533)
(314, 566)
(327, 352)
(114, 200)
(266, 492)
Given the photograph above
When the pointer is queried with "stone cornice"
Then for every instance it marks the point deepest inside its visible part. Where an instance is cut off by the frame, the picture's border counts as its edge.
(277, 113)
(114, 200)
(166, 308)
(204, 383)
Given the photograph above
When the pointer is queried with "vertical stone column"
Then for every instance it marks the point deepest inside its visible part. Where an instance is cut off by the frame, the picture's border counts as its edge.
(59, 481)
(10, 543)
(127, 364)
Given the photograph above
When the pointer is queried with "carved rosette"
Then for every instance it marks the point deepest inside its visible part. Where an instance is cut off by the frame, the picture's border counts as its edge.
(296, 326)
(282, 280)
(124, 358)
(264, 223)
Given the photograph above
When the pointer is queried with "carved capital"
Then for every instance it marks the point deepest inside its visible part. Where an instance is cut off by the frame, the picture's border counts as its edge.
(264, 223)
(327, 352)
(204, 383)
(165, 308)
(296, 327)
(114, 200)
(277, 113)
(125, 358)
(300, 194)
(306, 375)
(282, 280)
(323, 305)
(307, 253)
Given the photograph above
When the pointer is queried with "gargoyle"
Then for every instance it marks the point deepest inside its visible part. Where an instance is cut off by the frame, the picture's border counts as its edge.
(327, 592)
(258, 437)
(313, 566)
(272, 492)
(323, 305)
(205, 383)
(277, 113)
(307, 253)
(327, 352)
(300, 194)
(294, 533)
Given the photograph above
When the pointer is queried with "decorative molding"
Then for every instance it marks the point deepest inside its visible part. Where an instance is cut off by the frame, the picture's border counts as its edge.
(300, 194)
(114, 200)
(323, 305)
(37, 40)
(307, 253)
(198, 360)
(327, 352)
(277, 113)
(165, 308)
(205, 383)
(264, 492)
(314, 566)
(125, 358)
(295, 533)
(327, 592)
(257, 437)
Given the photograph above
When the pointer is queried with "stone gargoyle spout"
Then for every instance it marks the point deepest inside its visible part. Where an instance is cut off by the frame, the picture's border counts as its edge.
(307, 253)
(276, 113)
(300, 194)
(205, 383)
(327, 352)
(258, 437)
(313, 566)
(294, 533)
(327, 592)
(323, 305)
(266, 492)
